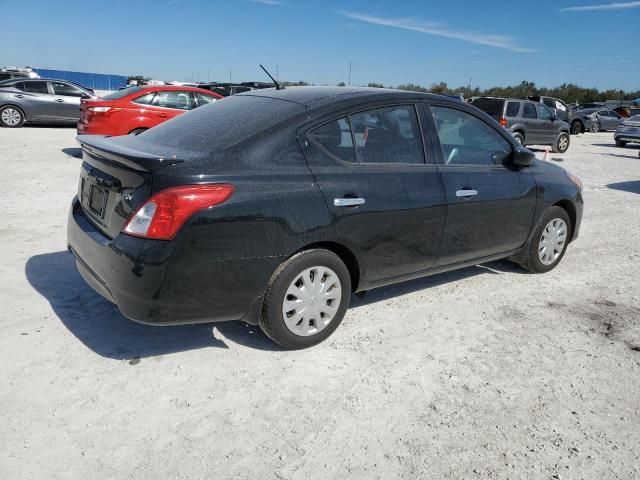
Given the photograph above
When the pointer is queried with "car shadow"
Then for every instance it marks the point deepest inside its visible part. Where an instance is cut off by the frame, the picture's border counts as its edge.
(632, 146)
(632, 186)
(410, 286)
(75, 152)
(99, 325)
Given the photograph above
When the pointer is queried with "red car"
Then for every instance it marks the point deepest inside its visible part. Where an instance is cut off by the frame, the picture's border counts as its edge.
(136, 109)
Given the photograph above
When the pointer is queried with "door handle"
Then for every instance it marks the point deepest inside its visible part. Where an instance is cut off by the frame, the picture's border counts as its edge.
(59, 100)
(162, 115)
(348, 202)
(466, 193)
(19, 95)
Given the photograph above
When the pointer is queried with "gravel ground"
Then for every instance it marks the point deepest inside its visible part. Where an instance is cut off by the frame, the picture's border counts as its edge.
(487, 372)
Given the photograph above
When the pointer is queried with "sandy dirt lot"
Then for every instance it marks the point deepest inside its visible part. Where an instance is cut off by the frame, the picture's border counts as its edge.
(487, 373)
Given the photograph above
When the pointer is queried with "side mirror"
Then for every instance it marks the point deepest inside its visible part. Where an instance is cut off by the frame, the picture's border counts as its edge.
(522, 157)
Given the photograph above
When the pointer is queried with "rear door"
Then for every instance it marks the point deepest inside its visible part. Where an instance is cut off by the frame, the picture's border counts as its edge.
(491, 204)
(169, 104)
(383, 189)
(67, 101)
(36, 100)
(612, 120)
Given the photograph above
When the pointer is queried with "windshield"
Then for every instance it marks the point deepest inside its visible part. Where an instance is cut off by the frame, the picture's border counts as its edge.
(634, 119)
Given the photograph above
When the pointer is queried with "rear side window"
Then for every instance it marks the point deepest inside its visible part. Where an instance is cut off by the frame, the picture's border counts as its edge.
(529, 111)
(36, 87)
(467, 140)
(335, 138)
(513, 108)
(388, 135)
(203, 98)
(492, 106)
(178, 99)
(144, 99)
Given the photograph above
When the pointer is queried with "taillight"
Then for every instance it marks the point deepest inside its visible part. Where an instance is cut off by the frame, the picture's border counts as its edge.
(103, 109)
(165, 212)
(503, 121)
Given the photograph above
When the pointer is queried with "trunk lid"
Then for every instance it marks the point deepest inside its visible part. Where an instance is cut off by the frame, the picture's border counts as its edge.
(114, 181)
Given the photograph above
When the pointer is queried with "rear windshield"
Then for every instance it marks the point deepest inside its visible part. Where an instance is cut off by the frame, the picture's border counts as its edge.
(122, 93)
(492, 106)
(221, 124)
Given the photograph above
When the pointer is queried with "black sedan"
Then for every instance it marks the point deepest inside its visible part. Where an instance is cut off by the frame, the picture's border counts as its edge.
(275, 206)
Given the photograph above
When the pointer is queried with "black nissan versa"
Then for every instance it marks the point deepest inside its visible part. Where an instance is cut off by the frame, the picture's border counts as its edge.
(274, 206)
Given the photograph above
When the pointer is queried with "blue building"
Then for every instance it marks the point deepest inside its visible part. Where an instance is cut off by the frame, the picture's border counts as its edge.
(95, 81)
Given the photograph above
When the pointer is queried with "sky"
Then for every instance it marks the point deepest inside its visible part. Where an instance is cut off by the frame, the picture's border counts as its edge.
(592, 43)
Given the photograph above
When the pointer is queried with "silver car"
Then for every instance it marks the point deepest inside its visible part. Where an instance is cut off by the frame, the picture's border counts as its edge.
(628, 131)
(24, 100)
(601, 119)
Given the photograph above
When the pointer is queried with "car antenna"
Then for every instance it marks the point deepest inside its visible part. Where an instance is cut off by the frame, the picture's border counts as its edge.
(275, 82)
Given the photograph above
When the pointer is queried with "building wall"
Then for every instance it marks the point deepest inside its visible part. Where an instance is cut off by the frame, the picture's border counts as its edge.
(95, 81)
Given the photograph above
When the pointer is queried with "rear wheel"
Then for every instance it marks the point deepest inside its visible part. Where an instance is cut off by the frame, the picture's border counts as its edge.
(576, 127)
(621, 143)
(306, 299)
(562, 143)
(549, 241)
(595, 128)
(11, 117)
(137, 131)
(519, 138)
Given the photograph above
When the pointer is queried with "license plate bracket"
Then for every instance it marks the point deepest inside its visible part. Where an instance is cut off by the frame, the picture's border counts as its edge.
(97, 200)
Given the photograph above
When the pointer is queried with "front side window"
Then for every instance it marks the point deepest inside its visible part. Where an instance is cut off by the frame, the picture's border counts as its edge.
(177, 99)
(388, 135)
(467, 140)
(543, 112)
(548, 102)
(36, 87)
(66, 90)
(529, 111)
(335, 138)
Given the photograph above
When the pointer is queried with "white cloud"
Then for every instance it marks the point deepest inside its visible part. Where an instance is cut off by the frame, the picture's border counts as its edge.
(604, 6)
(272, 3)
(432, 28)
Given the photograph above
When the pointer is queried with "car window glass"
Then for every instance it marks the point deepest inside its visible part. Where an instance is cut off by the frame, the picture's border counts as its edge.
(388, 135)
(64, 89)
(173, 99)
(203, 98)
(36, 87)
(512, 109)
(543, 112)
(335, 138)
(5, 76)
(613, 114)
(548, 102)
(529, 111)
(467, 140)
(19, 86)
(144, 99)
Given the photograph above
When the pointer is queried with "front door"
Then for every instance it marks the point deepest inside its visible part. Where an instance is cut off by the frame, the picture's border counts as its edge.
(491, 204)
(534, 130)
(67, 101)
(548, 130)
(386, 197)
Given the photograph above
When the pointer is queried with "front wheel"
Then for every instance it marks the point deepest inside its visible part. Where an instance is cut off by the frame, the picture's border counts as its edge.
(595, 128)
(576, 128)
(306, 299)
(562, 143)
(518, 138)
(549, 241)
(11, 117)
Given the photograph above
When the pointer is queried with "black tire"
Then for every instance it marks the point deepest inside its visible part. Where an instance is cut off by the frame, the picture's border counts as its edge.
(621, 143)
(11, 117)
(562, 143)
(272, 320)
(519, 138)
(137, 131)
(532, 261)
(595, 128)
(576, 127)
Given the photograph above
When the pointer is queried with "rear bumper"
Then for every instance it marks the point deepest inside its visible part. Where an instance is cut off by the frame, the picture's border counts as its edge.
(161, 283)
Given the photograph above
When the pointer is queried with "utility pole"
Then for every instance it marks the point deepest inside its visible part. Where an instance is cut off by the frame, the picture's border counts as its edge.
(277, 72)
(229, 74)
(469, 86)
(209, 76)
(349, 76)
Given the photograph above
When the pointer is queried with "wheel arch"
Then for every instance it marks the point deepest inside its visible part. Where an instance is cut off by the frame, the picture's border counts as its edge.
(568, 207)
(9, 104)
(345, 254)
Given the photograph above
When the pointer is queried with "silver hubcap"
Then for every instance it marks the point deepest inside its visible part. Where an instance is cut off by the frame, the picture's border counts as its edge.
(595, 128)
(552, 241)
(519, 140)
(563, 143)
(10, 116)
(312, 301)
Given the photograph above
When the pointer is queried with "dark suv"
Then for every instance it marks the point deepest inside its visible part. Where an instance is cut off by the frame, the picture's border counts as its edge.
(530, 123)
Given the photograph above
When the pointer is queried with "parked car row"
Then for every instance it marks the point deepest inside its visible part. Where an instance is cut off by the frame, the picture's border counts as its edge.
(128, 111)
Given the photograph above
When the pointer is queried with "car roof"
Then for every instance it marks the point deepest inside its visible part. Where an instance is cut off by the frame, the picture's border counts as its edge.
(316, 96)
